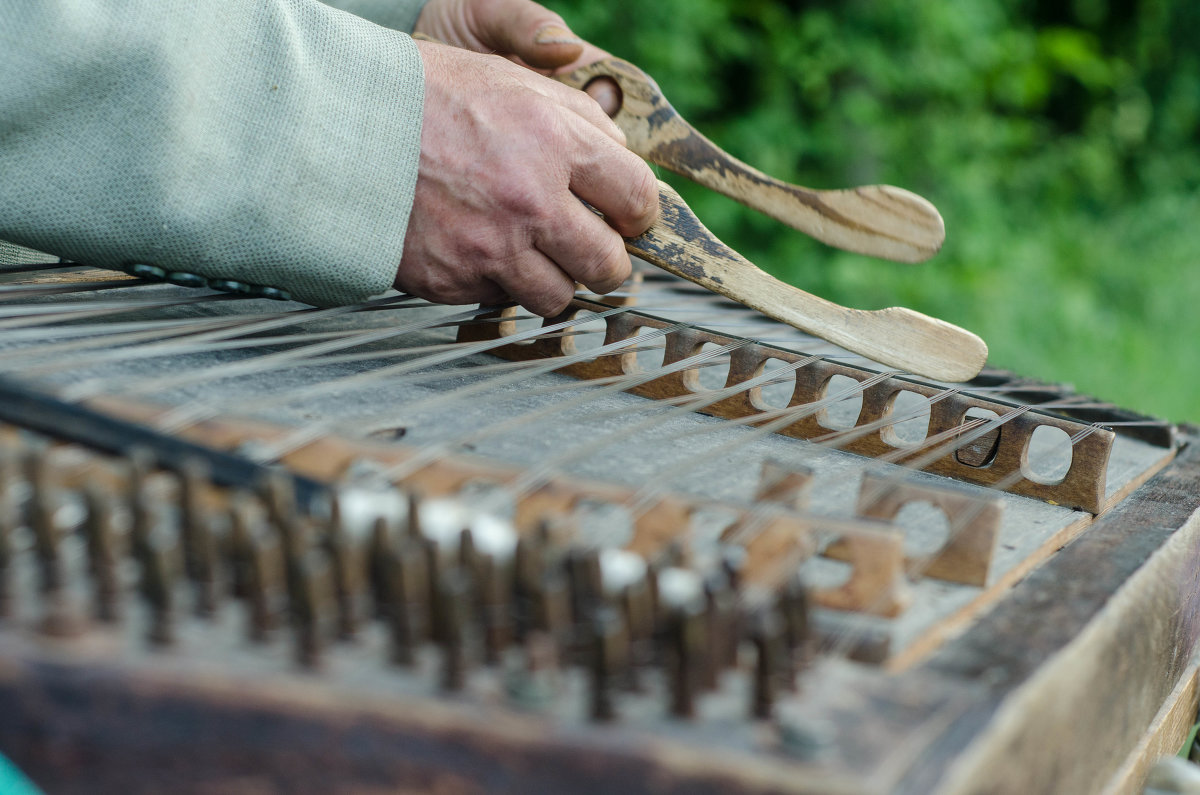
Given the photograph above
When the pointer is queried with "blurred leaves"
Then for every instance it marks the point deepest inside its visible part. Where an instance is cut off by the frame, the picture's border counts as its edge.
(1060, 141)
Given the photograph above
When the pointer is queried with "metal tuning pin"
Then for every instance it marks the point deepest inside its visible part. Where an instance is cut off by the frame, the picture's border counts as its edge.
(606, 649)
(264, 569)
(307, 578)
(160, 565)
(765, 636)
(879, 220)
(140, 464)
(196, 526)
(453, 596)
(721, 609)
(61, 617)
(9, 521)
(103, 554)
(310, 597)
(40, 518)
(409, 611)
(381, 550)
(793, 610)
(682, 609)
(346, 568)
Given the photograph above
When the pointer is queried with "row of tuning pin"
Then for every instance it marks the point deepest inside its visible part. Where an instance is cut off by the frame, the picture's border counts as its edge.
(433, 573)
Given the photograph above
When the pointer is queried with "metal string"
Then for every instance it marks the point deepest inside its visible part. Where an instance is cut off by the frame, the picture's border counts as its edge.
(619, 384)
(206, 408)
(949, 440)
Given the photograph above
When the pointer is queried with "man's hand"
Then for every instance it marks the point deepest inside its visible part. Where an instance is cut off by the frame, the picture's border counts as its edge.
(520, 30)
(506, 156)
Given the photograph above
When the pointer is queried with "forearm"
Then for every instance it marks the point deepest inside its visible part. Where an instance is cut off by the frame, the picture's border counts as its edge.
(269, 141)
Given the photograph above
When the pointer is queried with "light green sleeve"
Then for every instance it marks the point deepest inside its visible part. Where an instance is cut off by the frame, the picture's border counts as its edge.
(394, 14)
(273, 142)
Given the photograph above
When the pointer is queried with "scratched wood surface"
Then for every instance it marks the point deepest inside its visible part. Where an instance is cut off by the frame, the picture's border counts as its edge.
(1087, 649)
(930, 715)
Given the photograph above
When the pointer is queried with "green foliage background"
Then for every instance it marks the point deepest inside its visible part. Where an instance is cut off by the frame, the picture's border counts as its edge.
(1059, 141)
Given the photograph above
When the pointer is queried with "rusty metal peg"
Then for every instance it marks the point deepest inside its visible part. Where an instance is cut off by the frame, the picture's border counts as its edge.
(409, 610)
(347, 561)
(264, 571)
(235, 548)
(197, 535)
(279, 496)
(494, 586)
(10, 520)
(529, 567)
(453, 594)
(310, 594)
(61, 616)
(685, 659)
(40, 511)
(609, 653)
(160, 566)
(585, 578)
(792, 603)
(104, 554)
(381, 548)
(767, 637)
(682, 607)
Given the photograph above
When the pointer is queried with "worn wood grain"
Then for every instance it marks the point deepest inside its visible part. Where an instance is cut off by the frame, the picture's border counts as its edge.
(1164, 738)
(879, 220)
(896, 336)
(1083, 653)
(973, 524)
(79, 720)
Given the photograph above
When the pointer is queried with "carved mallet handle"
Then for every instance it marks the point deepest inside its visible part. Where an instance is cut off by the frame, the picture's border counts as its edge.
(895, 336)
(879, 220)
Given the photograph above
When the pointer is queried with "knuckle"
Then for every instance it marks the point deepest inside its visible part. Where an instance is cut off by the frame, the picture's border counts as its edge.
(556, 132)
(633, 206)
(543, 214)
(608, 266)
(643, 200)
(526, 194)
(443, 283)
(482, 249)
(517, 196)
(550, 297)
(446, 290)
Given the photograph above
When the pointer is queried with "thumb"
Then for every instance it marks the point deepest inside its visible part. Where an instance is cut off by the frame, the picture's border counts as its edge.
(536, 35)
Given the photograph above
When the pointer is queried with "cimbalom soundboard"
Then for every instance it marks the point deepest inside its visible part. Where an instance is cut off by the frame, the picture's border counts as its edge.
(656, 544)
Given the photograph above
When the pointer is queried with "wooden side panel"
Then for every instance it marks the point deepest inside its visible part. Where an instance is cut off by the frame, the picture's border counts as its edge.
(1084, 652)
(85, 729)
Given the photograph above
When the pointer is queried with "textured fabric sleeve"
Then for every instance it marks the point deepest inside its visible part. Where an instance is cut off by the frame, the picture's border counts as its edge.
(394, 14)
(267, 141)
